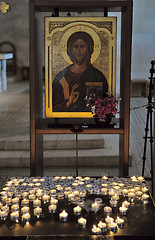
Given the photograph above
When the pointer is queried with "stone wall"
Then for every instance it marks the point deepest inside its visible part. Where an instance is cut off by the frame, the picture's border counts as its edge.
(14, 27)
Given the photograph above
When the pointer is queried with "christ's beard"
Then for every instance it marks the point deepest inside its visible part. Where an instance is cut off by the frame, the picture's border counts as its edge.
(80, 61)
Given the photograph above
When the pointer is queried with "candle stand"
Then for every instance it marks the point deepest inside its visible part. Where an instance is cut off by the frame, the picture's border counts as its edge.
(42, 222)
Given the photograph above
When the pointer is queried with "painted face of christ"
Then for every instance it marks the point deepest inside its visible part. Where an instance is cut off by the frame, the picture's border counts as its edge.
(79, 51)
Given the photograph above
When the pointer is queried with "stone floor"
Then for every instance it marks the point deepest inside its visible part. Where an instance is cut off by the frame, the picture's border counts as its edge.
(14, 121)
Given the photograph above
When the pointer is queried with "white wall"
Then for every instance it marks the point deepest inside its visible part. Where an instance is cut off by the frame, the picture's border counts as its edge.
(143, 43)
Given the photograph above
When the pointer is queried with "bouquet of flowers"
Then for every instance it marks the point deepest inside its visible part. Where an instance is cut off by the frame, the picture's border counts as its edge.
(105, 108)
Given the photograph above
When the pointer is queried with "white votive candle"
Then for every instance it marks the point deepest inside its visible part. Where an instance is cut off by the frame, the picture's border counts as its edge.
(126, 204)
(102, 226)
(77, 210)
(139, 194)
(145, 189)
(36, 203)
(109, 219)
(96, 230)
(145, 198)
(113, 203)
(131, 196)
(123, 210)
(104, 191)
(37, 211)
(45, 198)
(25, 195)
(3, 215)
(15, 200)
(5, 208)
(63, 216)
(125, 192)
(26, 217)
(112, 226)
(111, 192)
(8, 201)
(32, 197)
(52, 208)
(25, 202)
(14, 216)
(25, 210)
(82, 222)
(105, 178)
(53, 201)
(140, 178)
(14, 207)
(95, 206)
(120, 222)
(107, 210)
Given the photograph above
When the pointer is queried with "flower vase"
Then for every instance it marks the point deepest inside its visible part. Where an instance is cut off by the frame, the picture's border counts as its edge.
(103, 122)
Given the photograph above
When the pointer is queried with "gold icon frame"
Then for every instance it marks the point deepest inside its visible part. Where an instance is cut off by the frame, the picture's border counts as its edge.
(57, 32)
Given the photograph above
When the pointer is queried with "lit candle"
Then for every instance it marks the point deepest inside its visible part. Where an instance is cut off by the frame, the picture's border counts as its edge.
(24, 195)
(96, 230)
(77, 210)
(25, 210)
(123, 210)
(140, 178)
(32, 197)
(134, 179)
(45, 198)
(144, 189)
(32, 191)
(125, 192)
(87, 179)
(120, 222)
(24, 202)
(131, 196)
(107, 210)
(15, 200)
(53, 201)
(111, 192)
(26, 217)
(8, 201)
(105, 178)
(126, 204)
(109, 219)
(112, 226)
(82, 194)
(70, 195)
(139, 194)
(104, 191)
(113, 203)
(63, 216)
(5, 208)
(36, 203)
(95, 206)
(52, 208)
(3, 215)
(145, 198)
(137, 188)
(37, 211)
(102, 226)
(14, 207)
(14, 216)
(115, 197)
(39, 194)
(82, 222)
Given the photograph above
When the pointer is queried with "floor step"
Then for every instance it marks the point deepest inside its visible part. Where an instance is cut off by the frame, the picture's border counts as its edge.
(55, 141)
(91, 157)
(60, 151)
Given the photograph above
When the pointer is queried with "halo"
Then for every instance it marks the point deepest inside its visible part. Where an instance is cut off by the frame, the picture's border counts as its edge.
(77, 28)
